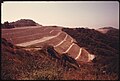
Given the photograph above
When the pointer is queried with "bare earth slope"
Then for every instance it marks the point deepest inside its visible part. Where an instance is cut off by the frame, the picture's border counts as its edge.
(41, 35)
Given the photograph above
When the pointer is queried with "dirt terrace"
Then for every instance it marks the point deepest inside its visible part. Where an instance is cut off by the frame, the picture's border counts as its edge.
(38, 36)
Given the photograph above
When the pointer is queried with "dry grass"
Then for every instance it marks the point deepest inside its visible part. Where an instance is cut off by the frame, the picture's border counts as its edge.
(39, 65)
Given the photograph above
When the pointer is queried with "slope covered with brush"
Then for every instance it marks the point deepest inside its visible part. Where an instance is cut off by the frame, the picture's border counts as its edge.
(104, 46)
(96, 42)
(46, 64)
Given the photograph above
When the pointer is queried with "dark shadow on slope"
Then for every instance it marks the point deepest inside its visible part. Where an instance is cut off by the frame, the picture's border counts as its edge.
(52, 52)
(62, 58)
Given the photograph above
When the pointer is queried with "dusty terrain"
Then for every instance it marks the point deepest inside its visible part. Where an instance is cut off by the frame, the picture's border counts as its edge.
(38, 36)
(37, 52)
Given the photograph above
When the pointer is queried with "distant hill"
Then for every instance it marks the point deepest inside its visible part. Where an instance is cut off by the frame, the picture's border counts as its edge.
(20, 23)
(108, 30)
(24, 22)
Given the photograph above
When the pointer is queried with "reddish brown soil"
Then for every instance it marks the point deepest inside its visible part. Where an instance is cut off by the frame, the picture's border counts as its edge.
(74, 51)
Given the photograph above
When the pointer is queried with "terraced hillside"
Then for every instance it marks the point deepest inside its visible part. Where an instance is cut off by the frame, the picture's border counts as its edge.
(96, 41)
(58, 53)
(39, 36)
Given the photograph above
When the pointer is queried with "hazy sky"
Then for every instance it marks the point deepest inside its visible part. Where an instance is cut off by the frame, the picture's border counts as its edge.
(92, 14)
